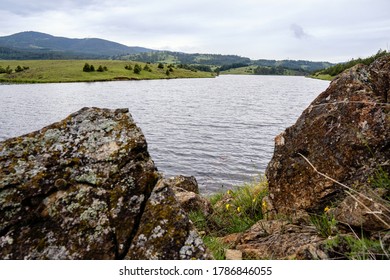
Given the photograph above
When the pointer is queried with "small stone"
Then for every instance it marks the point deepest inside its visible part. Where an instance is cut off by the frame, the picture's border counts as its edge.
(233, 254)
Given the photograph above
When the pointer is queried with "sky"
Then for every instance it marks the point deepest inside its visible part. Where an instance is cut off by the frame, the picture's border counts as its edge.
(317, 30)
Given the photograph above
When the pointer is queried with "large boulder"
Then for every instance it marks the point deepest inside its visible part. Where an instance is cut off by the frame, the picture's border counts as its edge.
(345, 135)
(78, 189)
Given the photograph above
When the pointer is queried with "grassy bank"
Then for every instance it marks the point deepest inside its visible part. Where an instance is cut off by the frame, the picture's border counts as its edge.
(237, 210)
(325, 77)
(58, 71)
(331, 72)
(234, 211)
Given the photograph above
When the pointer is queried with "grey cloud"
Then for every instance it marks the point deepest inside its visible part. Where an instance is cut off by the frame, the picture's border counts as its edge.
(298, 31)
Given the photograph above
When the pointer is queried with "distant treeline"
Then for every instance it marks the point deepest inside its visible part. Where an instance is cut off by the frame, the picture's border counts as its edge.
(339, 68)
(278, 70)
(186, 58)
(41, 54)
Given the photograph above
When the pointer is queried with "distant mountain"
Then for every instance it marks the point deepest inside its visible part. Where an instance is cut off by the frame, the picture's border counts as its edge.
(36, 45)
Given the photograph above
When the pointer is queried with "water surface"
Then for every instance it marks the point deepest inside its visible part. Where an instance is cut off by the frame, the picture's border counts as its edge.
(220, 130)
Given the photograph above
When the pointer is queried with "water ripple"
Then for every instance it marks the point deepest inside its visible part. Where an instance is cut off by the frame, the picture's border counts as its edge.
(219, 130)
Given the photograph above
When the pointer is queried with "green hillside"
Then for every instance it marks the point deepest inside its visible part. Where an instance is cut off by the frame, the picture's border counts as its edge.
(231, 64)
(50, 71)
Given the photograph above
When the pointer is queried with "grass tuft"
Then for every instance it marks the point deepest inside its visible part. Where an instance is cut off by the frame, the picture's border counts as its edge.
(234, 211)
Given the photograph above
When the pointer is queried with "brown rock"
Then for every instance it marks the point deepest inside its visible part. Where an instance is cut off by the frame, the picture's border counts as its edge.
(277, 239)
(233, 254)
(187, 194)
(344, 133)
(187, 183)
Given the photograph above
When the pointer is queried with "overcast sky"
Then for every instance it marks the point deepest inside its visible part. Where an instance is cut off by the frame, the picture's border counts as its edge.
(320, 30)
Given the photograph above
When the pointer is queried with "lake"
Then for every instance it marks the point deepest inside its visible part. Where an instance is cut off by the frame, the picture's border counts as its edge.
(220, 130)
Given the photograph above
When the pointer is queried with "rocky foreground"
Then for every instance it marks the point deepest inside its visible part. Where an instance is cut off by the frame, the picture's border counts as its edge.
(86, 187)
(324, 167)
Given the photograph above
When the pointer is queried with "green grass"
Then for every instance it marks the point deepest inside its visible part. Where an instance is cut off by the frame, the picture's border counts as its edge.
(344, 242)
(355, 248)
(381, 179)
(325, 224)
(216, 246)
(237, 209)
(325, 77)
(234, 211)
(52, 71)
(248, 70)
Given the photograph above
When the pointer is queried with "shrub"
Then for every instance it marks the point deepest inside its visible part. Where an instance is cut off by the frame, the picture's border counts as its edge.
(128, 67)
(147, 68)
(160, 66)
(20, 68)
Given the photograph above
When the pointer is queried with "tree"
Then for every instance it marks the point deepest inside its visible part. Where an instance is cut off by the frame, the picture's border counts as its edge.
(137, 69)
(160, 66)
(86, 67)
(100, 69)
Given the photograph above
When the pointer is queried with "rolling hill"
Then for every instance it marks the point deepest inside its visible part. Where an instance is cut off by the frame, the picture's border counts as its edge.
(32, 45)
(36, 45)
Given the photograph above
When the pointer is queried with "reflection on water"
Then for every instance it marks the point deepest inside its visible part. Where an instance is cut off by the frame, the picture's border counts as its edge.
(219, 130)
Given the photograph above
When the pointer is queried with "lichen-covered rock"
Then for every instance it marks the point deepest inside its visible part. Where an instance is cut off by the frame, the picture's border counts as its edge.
(345, 134)
(75, 189)
(165, 232)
